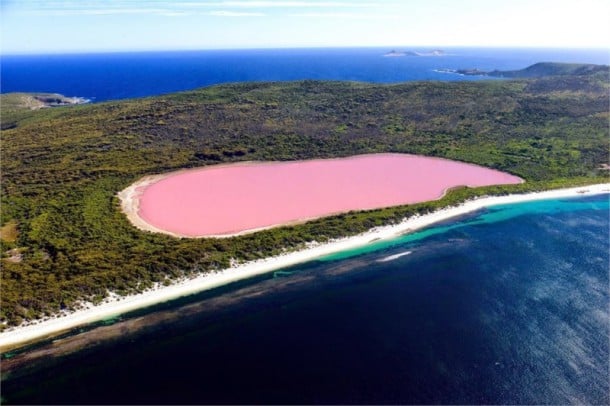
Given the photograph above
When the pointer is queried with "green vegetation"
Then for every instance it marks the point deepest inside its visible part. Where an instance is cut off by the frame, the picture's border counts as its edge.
(552, 69)
(62, 167)
(16, 105)
(9, 232)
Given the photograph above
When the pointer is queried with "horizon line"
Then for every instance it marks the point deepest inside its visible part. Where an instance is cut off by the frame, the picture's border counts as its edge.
(293, 47)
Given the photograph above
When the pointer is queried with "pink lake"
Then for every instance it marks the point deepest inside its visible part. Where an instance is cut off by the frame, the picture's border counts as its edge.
(234, 198)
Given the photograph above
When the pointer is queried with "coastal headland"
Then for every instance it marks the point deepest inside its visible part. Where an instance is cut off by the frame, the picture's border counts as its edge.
(538, 70)
(35, 101)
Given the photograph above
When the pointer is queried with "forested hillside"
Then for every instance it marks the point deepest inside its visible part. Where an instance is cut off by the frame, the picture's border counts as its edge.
(64, 238)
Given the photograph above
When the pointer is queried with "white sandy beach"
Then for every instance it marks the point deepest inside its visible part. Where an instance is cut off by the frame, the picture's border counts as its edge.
(50, 327)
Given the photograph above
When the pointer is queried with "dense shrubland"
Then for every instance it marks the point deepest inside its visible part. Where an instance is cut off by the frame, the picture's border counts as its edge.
(65, 240)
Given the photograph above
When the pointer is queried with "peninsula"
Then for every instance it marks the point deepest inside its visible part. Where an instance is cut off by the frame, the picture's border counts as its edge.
(538, 70)
(35, 101)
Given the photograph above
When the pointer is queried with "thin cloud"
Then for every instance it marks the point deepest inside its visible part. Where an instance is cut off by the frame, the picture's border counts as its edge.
(174, 14)
(224, 13)
(296, 4)
(229, 8)
(353, 16)
(166, 4)
(276, 4)
(94, 12)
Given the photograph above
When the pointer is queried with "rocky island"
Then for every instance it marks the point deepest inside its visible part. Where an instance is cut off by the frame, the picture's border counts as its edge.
(434, 52)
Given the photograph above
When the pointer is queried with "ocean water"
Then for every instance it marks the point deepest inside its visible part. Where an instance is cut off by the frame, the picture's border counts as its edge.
(508, 305)
(101, 77)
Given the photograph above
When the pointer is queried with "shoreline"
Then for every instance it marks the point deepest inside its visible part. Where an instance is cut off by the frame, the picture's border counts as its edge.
(19, 336)
(129, 197)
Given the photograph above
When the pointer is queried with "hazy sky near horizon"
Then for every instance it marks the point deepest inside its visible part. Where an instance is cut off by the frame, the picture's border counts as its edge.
(50, 26)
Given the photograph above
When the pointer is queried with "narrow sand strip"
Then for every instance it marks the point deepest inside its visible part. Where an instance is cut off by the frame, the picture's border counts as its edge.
(19, 335)
(130, 203)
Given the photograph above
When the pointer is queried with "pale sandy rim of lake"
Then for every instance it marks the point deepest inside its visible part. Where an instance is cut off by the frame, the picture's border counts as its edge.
(130, 196)
(23, 334)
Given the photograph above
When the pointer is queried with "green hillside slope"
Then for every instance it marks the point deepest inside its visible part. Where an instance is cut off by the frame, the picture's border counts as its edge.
(64, 239)
(542, 69)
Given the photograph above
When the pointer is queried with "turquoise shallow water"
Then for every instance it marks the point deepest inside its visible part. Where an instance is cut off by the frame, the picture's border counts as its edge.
(509, 305)
(489, 215)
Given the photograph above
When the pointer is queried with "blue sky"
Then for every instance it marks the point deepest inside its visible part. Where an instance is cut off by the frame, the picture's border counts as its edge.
(49, 26)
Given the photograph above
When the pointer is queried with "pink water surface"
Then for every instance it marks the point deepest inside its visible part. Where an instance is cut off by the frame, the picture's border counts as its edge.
(234, 198)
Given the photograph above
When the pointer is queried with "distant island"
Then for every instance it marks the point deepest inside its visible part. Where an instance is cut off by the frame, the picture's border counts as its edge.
(434, 52)
(537, 70)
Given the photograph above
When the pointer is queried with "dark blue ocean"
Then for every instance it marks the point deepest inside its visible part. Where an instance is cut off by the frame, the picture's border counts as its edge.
(101, 77)
(509, 305)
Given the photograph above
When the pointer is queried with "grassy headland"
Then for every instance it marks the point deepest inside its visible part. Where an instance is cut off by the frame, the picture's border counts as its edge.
(65, 240)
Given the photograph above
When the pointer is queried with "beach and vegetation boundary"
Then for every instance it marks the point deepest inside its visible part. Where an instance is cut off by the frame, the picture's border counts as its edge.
(118, 305)
(65, 243)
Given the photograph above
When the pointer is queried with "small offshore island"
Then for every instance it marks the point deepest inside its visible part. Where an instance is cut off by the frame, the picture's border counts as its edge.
(434, 52)
(70, 256)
